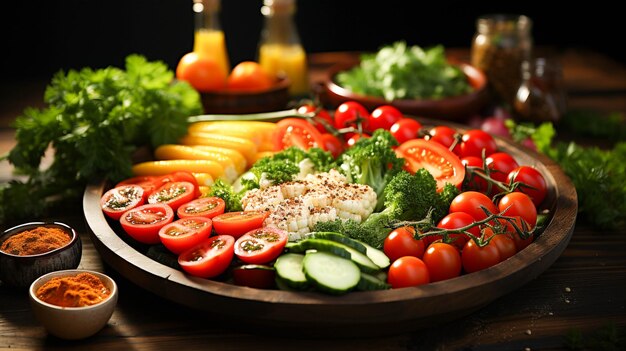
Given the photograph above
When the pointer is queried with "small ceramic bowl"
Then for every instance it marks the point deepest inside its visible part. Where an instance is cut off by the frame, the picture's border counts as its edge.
(21, 271)
(241, 102)
(73, 323)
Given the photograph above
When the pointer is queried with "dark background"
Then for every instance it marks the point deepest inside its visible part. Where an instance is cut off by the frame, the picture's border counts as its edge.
(39, 38)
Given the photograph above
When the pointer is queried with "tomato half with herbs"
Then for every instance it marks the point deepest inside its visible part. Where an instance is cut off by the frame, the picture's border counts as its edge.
(256, 276)
(148, 183)
(237, 224)
(296, 132)
(350, 114)
(443, 261)
(534, 185)
(476, 258)
(180, 176)
(184, 233)
(401, 242)
(407, 271)
(144, 222)
(118, 200)
(210, 258)
(261, 245)
(383, 117)
(173, 194)
(405, 129)
(207, 207)
(440, 162)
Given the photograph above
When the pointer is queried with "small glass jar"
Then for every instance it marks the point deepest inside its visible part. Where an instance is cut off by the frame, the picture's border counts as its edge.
(541, 96)
(209, 40)
(500, 45)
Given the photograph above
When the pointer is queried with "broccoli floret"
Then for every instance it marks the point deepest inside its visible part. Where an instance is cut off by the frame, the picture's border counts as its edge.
(226, 193)
(372, 161)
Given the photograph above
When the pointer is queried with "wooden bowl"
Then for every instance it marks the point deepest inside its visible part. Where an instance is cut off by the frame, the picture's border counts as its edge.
(357, 314)
(240, 102)
(452, 108)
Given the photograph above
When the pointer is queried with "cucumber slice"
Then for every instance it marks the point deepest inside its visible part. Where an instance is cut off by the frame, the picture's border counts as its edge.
(340, 238)
(369, 282)
(377, 256)
(289, 270)
(339, 249)
(331, 273)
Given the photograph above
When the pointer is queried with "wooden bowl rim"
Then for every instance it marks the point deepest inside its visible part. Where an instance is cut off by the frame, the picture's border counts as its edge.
(282, 84)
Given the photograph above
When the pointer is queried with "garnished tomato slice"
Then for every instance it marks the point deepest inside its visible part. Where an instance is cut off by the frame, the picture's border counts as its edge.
(143, 223)
(296, 132)
(208, 207)
(148, 183)
(210, 258)
(118, 200)
(237, 224)
(444, 166)
(179, 176)
(261, 245)
(184, 233)
(173, 194)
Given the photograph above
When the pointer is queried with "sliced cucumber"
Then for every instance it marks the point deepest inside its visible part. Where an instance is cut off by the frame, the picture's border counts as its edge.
(331, 273)
(290, 270)
(339, 249)
(377, 256)
(369, 282)
(340, 238)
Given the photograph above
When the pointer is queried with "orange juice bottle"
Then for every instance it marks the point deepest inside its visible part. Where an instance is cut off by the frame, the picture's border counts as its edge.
(280, 50)
(209, 38)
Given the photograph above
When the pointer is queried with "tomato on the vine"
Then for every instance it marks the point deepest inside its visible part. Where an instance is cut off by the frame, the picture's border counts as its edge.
(503, 241)
(322, 114)
(534, 185)
(500, 164)
(383, 117)
(471, 202)
(476, 258)
(401, 242)
(456, 220)
(355, 137)
(475, 182)
(475, 141)
(405, 129)
(445, 136)
(407, 271)
(348, 113)
(296, 132)
(443, 261)
(332, 144)
(519, 204)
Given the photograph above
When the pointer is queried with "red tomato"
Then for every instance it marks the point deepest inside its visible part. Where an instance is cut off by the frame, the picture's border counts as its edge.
(471, 202)
(203, 73)
(383, 117)
(504, 242)
(535, 184)
(322, 115)
(249, 76)
(519, 204)
(332, 144)
(255, 276)
(475, 141)
(445, 136)
(457, 220)
(354, 138)
(296, 132)
(144, 222)
(444, 166)
(210, 258)
(237, 224)
(475, 182)
(500, 164)
(208, 207)
(120, 199)
(173, 194)
(519, 242)
(349, 114)
(261, 245)
(184, 233)
(401, 242)
(407, 271)
(148, 183)
(405, 129)
(179, 176)
(476, 258)
(443, 261)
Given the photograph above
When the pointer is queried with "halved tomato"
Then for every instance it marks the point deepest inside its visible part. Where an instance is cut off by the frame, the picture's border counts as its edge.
(173, 194)
(118, 200)
(144, 222)
(444, 166)
(261, 245)
(184, 233)
(210, 258)
(296, 132)
(179, 176)
(148, 183)
(237, 224)
(208, 207)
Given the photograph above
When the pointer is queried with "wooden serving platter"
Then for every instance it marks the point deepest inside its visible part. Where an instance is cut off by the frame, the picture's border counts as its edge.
(357, 313)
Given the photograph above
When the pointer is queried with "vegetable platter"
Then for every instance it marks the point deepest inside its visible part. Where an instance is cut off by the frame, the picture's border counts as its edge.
(358, 313)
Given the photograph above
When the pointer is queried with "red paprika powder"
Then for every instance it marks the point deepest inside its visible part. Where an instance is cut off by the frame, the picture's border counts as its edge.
(84, 289)
(36, 241)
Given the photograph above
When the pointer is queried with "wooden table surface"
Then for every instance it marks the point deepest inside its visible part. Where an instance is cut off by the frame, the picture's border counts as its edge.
(583, 294)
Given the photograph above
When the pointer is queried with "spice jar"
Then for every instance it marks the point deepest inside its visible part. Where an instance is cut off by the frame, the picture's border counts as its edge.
(541, 95)
(500, 45)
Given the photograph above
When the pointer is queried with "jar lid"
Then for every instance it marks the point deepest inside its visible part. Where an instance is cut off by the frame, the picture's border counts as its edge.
(503, 23)
(271, 7)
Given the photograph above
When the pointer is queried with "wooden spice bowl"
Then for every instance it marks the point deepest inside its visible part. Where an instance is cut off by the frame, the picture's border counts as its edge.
(21, 271)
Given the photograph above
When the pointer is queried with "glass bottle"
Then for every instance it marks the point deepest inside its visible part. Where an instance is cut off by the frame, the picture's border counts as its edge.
(500, 45)
(280, 51)
(209, 38)
(541, 96)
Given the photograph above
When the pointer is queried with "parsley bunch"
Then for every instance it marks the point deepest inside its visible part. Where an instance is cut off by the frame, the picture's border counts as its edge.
(94, 121)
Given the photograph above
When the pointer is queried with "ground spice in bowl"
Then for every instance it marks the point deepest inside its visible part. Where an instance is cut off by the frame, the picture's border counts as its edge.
(36, 241)
(84, 289)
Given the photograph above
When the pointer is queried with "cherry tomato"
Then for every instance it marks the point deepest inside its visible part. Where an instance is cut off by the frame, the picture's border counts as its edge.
(261, 245)
(443, 261)
(475, 141)
(407, 271)
(445, 136)
(255, 276)
(355, 137)
(520, 243)
(476, 258)
(179, 176)
(401, 242)
(536, 185)
(457, 220)
(207, 207)
(322, 114)
(184, 233)
(148, 183)
(383, 117)
(475, 182)
(332, 144)
(519, 204)
(444, 166)
(210, 258)
(203, 73)
(471, 202)
(120, 199)
(237, 224)
(348, 113)
(500, 164)
(173, 194)
(296, 132)
(249, 76)
(144, 222)
(405, 129)
(504, 242)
